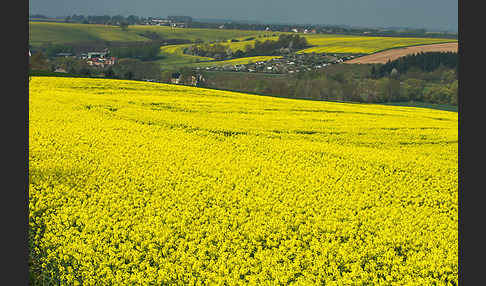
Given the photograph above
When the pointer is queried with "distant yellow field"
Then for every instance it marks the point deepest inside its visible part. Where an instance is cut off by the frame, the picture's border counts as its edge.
(363, 45)
(234, 46)
(134, 183)
(61, 33)
(174, 55)
(390, 55)
(344, 44)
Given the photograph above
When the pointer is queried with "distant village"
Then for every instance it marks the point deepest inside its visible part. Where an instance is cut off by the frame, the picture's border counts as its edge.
(99, 59)
(172, 21)
(287, 64)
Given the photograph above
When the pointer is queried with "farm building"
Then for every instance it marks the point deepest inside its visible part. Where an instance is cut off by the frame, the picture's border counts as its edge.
(101, 62)
(61, 70)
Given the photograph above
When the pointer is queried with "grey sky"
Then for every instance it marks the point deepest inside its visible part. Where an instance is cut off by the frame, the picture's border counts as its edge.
(429, 14)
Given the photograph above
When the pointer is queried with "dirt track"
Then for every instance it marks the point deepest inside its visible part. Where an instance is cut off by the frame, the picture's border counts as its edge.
(383, 57)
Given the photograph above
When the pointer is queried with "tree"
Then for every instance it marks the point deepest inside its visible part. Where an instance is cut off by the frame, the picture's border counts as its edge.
(74, 66)
(118, 19)
(392, 91)
(53, 50)
(136, 69)
(439, 94)
(413, 89)
(143, 52)
(109, 73)
(124, 26)
(373, 72)
(132, 19)
(454, 87)
(239, 54)
(38, 61)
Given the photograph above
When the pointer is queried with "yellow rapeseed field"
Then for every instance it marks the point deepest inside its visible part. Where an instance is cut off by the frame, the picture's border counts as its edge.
(135, 183)
(362, 44)
(323, 43)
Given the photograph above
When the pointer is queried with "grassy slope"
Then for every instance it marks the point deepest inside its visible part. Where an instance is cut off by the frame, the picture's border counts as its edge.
(61, 33)
(174, 57)
(194, 33)
(58, 33)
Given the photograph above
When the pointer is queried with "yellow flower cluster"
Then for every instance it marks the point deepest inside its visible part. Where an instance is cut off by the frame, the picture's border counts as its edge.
(135, 183)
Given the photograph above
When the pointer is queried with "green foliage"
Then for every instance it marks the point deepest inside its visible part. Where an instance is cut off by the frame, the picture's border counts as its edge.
(260, 48)
(144, 52)
(428, 62)
(73, 66)
(413, 89)
(348, 83)
(124, 26)
(38, 61)
(52, 50)
(152, 35)
(439, 94)
(269, 47)
(136, 69)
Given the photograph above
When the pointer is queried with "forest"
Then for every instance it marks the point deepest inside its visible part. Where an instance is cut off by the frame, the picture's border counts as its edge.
(290, 43)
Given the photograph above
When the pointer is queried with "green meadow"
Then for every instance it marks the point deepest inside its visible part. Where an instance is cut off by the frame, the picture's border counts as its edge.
(62, 33)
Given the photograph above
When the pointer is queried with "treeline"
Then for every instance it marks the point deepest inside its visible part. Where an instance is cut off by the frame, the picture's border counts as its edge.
(38, 16)
(289, 43)
(144, 52)
(325, 29)
(345, 82)
(270, 48)
(134, 69)
(77, 48)
(125, 68)
(39, 62)
(53, 50)
(319, 29)
(426, 62)
(106, 19)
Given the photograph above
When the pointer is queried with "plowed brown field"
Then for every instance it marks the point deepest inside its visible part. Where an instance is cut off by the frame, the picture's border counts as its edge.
(383, 57)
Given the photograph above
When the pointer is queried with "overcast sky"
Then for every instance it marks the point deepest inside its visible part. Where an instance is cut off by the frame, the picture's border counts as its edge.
(428, 14)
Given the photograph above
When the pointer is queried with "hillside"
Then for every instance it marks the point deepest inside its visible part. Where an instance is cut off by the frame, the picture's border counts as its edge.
(146, 183)
(62, 33)
(41, 33)
(324, 43)
(363, 45)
